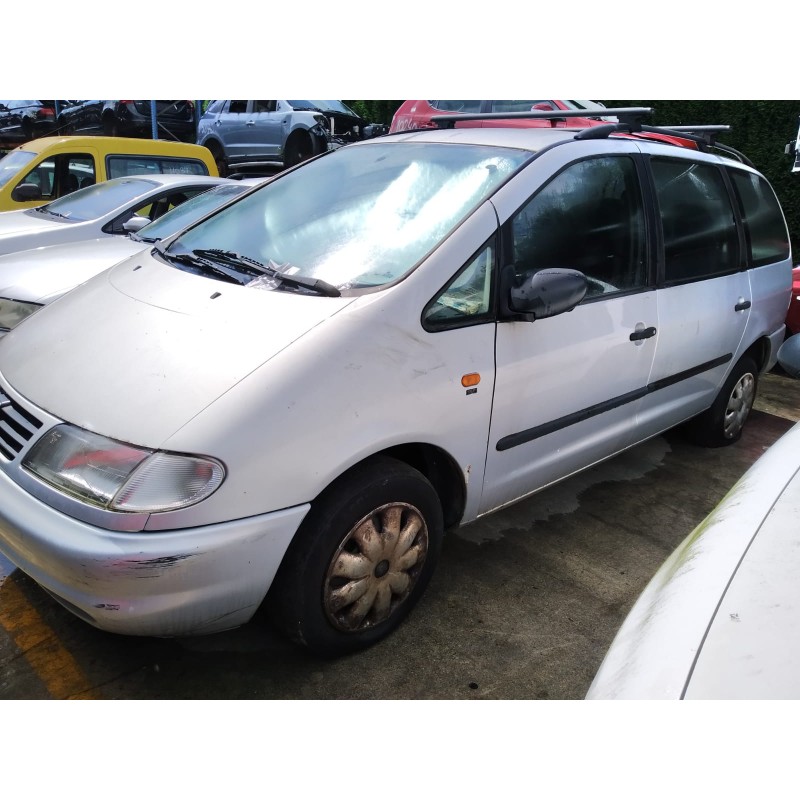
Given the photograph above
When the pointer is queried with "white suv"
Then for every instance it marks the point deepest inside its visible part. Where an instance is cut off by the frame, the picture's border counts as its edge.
(296, 396)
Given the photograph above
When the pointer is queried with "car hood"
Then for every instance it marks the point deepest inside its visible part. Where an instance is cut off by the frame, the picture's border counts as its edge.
(44, 273)
(752, 648)
(139, 350)
(722, 602)
(16, 222)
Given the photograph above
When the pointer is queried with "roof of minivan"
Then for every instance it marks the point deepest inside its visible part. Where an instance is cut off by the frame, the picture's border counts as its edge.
(114, 144)
(526, 138)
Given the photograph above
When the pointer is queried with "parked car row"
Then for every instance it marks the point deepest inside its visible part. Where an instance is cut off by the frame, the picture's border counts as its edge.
(371, 348)
(105, 224)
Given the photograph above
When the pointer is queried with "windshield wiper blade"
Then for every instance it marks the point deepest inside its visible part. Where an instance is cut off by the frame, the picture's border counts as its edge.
(201, 264)
(45, 210)
(256, 267)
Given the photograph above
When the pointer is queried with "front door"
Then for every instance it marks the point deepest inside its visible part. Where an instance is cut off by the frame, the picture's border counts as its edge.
(567, 387)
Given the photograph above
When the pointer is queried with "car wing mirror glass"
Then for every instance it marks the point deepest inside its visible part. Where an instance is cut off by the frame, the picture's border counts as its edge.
(542, 294)
(25, 192)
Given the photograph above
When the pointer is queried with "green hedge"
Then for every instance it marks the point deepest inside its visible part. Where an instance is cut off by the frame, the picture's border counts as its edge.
(759, 128)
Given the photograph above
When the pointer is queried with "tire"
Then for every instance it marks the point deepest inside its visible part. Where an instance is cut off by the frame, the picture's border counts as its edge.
(219, 159)
(299, 148)
(344, 583)
(722, 424)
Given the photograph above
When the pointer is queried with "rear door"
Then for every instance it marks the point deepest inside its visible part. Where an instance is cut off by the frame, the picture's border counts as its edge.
(704, 297)
(567, 387)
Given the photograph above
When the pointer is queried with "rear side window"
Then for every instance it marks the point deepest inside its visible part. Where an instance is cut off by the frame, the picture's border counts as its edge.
(122, 166)
(700, 237)
(765, 229)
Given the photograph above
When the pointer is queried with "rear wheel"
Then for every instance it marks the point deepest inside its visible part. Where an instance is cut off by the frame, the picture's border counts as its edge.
(722, 424)
(299, 148)
(361, 559)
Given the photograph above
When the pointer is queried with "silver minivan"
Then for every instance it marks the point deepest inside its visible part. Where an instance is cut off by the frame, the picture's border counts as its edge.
(290, 401)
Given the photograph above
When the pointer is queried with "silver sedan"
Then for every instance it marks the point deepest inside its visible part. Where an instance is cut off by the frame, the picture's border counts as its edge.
(99, 211)
(32, 278)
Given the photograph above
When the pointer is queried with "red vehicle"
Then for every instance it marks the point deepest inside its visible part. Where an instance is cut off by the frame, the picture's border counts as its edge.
(793, 315)
(417, 113)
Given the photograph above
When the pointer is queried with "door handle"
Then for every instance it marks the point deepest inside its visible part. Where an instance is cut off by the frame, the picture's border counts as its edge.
(742, 305)
(645, 333)
(250, 123)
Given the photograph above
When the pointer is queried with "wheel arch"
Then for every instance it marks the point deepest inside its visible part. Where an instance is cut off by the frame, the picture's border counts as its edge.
(439, 467)
(759, 351)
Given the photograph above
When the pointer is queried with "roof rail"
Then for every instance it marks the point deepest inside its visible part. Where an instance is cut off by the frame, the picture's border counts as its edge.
(629, 116)
(702, 135)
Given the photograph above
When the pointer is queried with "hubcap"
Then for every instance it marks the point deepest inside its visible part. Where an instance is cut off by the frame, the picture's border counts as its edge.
(739, 404)
(376, 567)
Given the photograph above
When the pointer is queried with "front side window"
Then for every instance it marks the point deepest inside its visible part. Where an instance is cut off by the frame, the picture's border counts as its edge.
(467, 299)
(589, 218)
(763, 221)
(360, 217)
(700, 238)
(61, 174)
(11, 164)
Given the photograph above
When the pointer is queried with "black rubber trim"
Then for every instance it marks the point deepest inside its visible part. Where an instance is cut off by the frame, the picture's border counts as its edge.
(516, 439)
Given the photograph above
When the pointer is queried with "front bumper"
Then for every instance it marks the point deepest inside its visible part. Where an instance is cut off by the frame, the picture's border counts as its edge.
(175, 583)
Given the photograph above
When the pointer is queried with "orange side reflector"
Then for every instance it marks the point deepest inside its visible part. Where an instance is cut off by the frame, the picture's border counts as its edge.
(473, 379)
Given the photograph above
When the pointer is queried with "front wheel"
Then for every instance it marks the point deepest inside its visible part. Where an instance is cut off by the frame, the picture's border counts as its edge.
(361, 559)
(722, 424)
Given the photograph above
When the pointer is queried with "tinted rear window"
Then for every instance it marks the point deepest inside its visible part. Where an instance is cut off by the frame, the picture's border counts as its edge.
(766, 232)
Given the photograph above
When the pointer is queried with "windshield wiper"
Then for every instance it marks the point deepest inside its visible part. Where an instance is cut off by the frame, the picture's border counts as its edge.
(201, 264)
(253, 267)
(45, 210)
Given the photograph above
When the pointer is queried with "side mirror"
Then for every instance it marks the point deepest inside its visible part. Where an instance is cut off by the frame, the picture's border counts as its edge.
(543, 294)
(134, 224)
(789, 356)
(25, 192)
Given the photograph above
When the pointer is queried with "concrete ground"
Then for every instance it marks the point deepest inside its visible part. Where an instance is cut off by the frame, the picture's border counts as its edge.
(523, 604)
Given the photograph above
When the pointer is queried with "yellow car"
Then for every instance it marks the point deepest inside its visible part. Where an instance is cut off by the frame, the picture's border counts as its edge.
(44, 169)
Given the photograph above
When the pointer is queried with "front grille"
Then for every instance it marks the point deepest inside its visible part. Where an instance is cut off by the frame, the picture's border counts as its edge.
(17, 427)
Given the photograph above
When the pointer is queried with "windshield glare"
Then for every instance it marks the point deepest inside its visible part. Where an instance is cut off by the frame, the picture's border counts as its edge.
(11, 164)
(99, 199)
(362, 216)
(187, 212)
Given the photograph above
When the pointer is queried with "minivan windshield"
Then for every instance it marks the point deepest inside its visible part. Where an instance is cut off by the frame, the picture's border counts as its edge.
(361, 216)
(11, 164)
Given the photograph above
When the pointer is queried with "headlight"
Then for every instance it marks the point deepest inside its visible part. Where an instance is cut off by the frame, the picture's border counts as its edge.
(12, 312)
(119, 477)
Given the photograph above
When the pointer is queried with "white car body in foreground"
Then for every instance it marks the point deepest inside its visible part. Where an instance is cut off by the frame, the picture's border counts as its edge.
(97, 211)
(36, 277)
(721, 617)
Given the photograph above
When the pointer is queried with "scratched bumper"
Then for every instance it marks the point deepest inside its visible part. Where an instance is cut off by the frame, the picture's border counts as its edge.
(198, 580)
